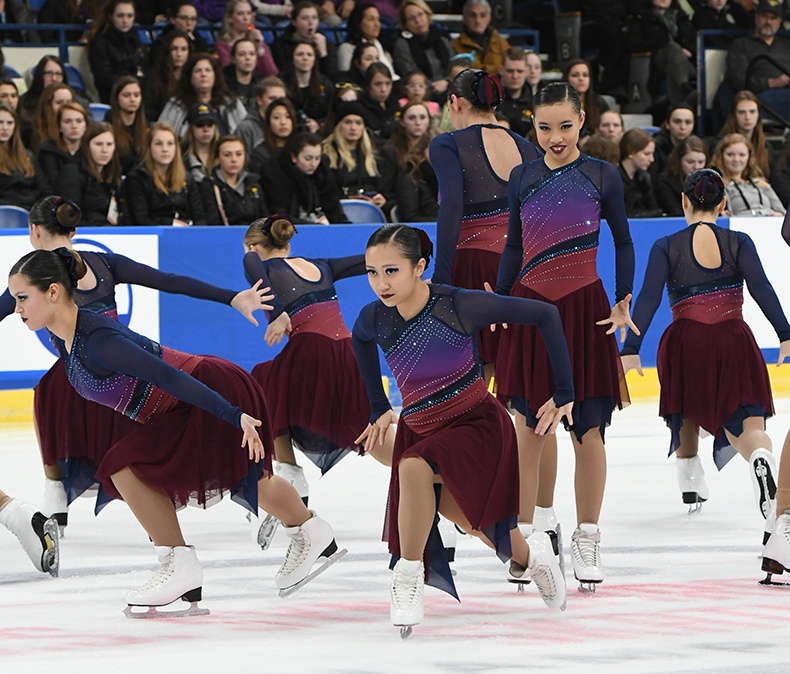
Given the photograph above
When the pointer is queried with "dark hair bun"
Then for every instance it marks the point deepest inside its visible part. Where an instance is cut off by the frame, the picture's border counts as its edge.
(426, 245)
(66, 215)
(704, 188)
(486, 91)
(278, 229)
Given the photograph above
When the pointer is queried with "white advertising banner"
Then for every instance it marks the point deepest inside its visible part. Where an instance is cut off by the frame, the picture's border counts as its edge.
(137, 307)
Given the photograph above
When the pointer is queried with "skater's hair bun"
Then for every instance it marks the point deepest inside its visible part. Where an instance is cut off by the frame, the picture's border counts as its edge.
(481, 88)
(276, 231)
(57, 215)
(704, 188)
(414, 244)
(45, 267)
(558, 92)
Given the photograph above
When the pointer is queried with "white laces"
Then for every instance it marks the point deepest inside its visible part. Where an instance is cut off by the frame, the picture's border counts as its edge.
(296, 554)
(161, 576)
(586, 548)
(544, 580)
(405, 589)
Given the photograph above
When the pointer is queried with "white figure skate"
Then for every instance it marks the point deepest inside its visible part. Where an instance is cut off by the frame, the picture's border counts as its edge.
(37, 534)
(295, 475)
(310, 542)
(449, 537)
(586, 556)
(762, 468)
(691, 481)
(406, 595)
(56, 503)
(514, 572)
(776, 553)
(179, 576)
(545, 519)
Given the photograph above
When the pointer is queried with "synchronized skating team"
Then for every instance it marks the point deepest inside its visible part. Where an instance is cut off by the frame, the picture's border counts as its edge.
(517, 239)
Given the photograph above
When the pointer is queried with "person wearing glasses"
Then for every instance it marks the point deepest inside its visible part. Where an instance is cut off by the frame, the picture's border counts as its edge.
(184, 17)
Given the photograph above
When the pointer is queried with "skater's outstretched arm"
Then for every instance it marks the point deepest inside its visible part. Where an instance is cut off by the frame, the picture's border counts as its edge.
(510, 262)
(447, 165)
(254, 271)
(7, 304)
(613, 210)
(346, 267)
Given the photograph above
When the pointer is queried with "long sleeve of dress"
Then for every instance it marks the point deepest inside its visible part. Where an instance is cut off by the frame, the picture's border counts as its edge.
(478, 309)
(7, 304)
(255, 270)
(613, 209)
(786, 228)
(345, 267)
(510, 262)
(111, 351)
(760, 287)
(649, 298)
(366, 351)
(447, 165)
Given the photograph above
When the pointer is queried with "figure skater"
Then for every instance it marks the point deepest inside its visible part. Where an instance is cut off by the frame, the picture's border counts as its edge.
(37, 533)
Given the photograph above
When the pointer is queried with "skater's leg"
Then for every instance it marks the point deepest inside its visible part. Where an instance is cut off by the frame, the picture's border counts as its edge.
(530, 448)
(37, 534)
(3, 498)
(691, 476)
(283, 449)
(153, 509)
(417, 506)
(547, 473)
(52, 472)
(383, 453)
(590, 478)
(754, 445)
(488, 374)
(279, 497)
(689, 440)
(753, 437)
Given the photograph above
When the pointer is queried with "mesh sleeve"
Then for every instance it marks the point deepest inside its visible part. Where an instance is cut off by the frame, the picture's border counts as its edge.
(7, 304)
(649, 298)
(366, 351)
(613, 210)
(760, 287)
(786, 228)
(255, 271)
(510, 262)
(346, 267)
(447, 166)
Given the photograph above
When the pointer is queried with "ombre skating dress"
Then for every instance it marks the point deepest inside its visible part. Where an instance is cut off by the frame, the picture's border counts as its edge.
(473, 213)
(552, 244)
(313, 387)
(449, 419)
(71, 428)
(187, 439)
(709, 365)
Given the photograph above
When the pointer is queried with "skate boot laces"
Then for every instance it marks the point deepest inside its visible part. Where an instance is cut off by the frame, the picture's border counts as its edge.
(544, 580)
(586, 548)
(161, 576)
(405, 589)
(297, 552)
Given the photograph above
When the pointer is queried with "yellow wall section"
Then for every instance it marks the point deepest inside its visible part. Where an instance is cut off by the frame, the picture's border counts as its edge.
(16, 405)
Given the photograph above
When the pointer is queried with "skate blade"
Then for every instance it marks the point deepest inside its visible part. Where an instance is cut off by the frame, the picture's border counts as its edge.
(266, 531)
(50, 558)
(769, 581)
(152, 612)
(588, 586)
(405, 631)
(694, 508)
(334, 557)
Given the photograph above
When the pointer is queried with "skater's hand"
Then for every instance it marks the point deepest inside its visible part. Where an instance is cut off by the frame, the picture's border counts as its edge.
(277, 329)
(549, 417)
(489, 289)
(376, 433)
(784, 352)
(620, 318)
(251, 300)
(251, 439)
(633, 362)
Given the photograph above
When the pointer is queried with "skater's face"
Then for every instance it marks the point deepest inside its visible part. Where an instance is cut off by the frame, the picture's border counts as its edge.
(393, 278)
(557, 127)
(35, 307)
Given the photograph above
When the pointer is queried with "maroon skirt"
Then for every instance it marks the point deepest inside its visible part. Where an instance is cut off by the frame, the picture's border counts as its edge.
(472, 269)
(523, 370)
(477, 459)
(714, 375)
(189, 453)
(315, 392)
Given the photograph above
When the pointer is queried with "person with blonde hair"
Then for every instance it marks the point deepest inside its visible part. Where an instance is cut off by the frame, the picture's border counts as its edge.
(746, 118)
(159, 191)
(237, 24)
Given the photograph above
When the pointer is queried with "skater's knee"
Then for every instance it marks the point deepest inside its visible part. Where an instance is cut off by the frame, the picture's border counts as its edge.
(414, 468)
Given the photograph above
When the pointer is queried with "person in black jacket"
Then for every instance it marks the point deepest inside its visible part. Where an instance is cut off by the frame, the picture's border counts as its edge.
(690, 154)
(636, 155)
(304, 27)
(114, 48)
(299, 181)
(66, 12)
(183, 16)
(309, 90)
(55, 153)
(93, 182)
(159, 191)
(16, 11)
(721, 15)
(381, 104)
(231, 194)
(22, 181)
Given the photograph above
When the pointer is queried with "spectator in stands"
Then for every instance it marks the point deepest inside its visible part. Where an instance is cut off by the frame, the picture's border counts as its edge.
(690, 154)
(114, 47)
(666, 31)
(520, 75)
(457, 64)
(363, 56)
(578, 73)
(149, 12)
(416, 87)
(55, 153)
(94, 181)
(280, 123)
(678, 126)
(601, 147)
(380, 102)
(766, 80)
(129, 121)
(364, 27)
(304, 28)
(66, 12)
(636, 155)
(603, 32)
(267, 9)
(420, 46)
(16, 11)
(183, 17)
(780, 179)
(748, 192)
(744, 118)
(480, 38)
(240, 75)
(22, 182)
(199, 145)
(331, 15)
(49, 70)
(611, 126)
(9, 93)
(251, 129)
(202, 82)
(308, 89)
(361, 170)
(163, 77)
(236, 25)
(299, 182)
(721, 15)
(158, 190)
(232, 195)
(45, 122)
(416, 187)
(210, 10)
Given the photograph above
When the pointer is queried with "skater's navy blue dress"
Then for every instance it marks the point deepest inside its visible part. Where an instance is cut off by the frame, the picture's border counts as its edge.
(473, 213)
(449, 419)
(710, 368)
(313, 386)
(550, 255)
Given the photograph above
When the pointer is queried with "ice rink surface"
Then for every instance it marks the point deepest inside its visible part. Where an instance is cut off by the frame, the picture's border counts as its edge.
(680, 595)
